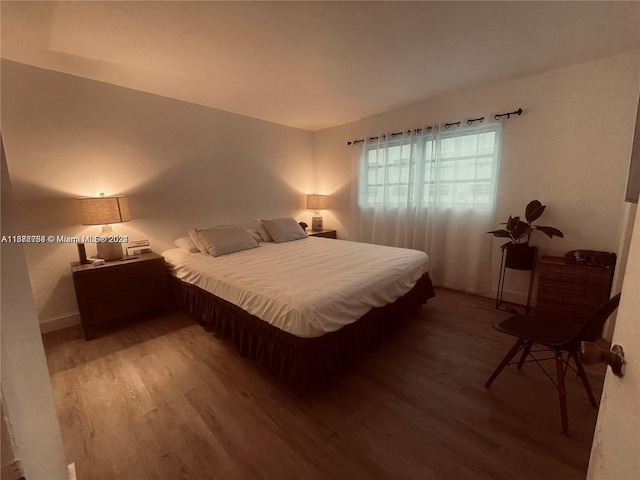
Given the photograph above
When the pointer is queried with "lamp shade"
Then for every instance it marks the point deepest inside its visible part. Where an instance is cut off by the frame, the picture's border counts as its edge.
(317, 202)
(104, 210)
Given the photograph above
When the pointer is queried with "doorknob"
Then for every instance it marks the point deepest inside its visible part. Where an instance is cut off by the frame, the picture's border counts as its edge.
(592, 354)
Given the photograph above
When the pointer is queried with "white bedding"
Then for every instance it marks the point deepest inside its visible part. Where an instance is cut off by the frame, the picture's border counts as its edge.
(306, 287)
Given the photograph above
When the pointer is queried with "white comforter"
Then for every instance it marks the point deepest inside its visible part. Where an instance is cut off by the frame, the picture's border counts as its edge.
(306, 287)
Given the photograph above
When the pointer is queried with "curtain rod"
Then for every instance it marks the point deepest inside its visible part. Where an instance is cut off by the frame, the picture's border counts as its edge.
(371, 139)
(497, 116)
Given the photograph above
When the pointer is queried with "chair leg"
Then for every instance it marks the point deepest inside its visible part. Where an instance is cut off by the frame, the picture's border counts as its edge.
(562, 393)
(585, 380)
(512, 353)
(527, 349)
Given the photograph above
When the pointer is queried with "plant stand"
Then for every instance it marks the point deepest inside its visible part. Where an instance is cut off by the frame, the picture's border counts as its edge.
(504, 265)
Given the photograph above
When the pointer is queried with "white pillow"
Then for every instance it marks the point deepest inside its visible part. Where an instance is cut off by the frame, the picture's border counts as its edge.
(262, 231)
(197, 241)
(185, 243)
(226, 239)
(284, 229)
(254, 233)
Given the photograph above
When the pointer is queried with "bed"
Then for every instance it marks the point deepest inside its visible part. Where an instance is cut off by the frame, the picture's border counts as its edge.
(302, 309)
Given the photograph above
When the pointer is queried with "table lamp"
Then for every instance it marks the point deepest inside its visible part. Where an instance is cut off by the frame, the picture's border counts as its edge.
(105, 211)
(316, 202)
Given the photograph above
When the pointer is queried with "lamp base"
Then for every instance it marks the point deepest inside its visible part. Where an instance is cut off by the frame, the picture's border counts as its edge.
(107, 250)
(316, 223)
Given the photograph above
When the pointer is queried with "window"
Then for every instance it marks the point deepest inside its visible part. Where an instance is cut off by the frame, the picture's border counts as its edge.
(455, 168)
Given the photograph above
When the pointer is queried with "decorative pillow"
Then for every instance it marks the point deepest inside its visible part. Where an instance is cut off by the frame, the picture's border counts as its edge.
(284, 229)
(262, 231)
(185, 243)
(226, 239)
(197, 241)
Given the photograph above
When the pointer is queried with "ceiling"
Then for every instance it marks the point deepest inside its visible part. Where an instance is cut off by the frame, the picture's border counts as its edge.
(312, 65)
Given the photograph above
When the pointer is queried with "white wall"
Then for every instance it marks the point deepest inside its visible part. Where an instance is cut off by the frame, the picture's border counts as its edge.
(27, 396)
(181, 165)
(570, 149)
(336, 173)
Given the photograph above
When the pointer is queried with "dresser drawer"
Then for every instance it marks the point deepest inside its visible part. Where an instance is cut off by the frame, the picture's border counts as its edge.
(119, 290)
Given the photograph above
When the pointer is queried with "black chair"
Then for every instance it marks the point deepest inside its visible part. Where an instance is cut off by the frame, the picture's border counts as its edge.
(557, 337)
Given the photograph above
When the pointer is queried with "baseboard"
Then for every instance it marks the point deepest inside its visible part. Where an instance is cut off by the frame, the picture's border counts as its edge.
(517, 298)
(59, 323)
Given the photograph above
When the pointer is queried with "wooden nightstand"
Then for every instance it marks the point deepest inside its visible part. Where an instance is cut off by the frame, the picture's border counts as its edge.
(119, 289)
(323, 233)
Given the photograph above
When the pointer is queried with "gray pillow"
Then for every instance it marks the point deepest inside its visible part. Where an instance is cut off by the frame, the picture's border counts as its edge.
(284, 229)
(226, 239)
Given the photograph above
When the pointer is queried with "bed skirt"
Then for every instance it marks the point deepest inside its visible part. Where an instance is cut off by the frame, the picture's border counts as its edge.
(302, 362)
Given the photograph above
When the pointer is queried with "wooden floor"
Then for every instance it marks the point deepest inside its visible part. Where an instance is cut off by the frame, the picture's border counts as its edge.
(163, 399)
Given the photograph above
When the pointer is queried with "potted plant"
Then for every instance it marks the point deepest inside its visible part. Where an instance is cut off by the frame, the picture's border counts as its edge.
(520, 255)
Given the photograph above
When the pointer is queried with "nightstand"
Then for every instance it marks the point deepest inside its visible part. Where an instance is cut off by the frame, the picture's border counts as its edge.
(323, 233)
(119, 290)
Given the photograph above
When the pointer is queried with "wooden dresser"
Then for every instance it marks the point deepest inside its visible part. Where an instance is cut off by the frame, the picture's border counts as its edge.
(119, 289)
(571, 293)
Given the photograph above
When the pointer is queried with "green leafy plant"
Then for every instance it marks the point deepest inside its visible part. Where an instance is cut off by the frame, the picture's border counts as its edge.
(519, 232)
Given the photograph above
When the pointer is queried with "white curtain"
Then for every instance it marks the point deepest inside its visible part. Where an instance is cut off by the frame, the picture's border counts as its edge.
(433, 189)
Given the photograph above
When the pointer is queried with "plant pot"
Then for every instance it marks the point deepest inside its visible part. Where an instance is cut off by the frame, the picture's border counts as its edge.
(520, 257)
